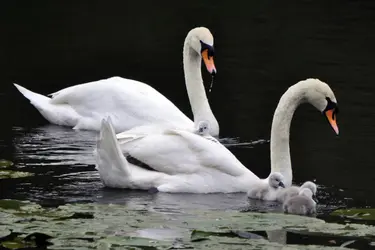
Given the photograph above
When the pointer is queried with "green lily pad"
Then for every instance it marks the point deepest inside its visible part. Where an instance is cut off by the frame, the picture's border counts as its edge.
(198, 235)
(103, 226)
(356, 214)
(10, 174)
(12, 204)
(5, 163)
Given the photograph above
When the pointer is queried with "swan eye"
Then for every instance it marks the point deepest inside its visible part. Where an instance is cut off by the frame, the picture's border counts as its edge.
(209, 48)
(330, 105)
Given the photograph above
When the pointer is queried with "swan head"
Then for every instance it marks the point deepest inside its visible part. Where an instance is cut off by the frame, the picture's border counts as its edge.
(310, 185)
(321, 96)
(276, 180)
(203, 128)
(201, 41)
(305, 192)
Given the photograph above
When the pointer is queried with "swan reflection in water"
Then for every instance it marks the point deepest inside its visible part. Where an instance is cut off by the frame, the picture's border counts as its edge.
(54, 145)
(178, 207)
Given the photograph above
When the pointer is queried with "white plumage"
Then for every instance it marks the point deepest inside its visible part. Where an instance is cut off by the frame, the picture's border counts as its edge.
(187, 162)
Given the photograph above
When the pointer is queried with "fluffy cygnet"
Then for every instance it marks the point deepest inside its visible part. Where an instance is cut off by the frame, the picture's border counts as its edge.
(202, 128)
(301, 204)
(263, 189)
(310, 185)
(289, 192)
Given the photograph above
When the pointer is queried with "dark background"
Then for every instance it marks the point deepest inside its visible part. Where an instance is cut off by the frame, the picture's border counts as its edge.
(262, 47)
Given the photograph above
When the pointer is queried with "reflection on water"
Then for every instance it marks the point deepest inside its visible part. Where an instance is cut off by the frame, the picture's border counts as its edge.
(54, 145)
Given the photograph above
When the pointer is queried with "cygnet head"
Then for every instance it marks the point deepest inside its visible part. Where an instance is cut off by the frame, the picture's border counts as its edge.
(276, 180)
(310, 185)
(306, 192)
(203, 128)
(201, 41)
(321, 96)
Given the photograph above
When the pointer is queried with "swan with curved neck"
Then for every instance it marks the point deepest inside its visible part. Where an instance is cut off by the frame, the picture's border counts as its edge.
(199, 44)
(313, 91)
(186, 162)
(130, 103)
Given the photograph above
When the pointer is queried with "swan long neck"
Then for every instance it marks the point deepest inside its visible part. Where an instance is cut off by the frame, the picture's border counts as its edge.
(194, 84)
(280, 152)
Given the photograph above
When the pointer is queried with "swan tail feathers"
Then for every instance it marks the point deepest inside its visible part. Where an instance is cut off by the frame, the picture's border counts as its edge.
(113, 167)
(35, 99)
(57, 114)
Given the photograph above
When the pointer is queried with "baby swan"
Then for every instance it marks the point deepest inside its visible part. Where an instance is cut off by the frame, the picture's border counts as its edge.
(310, 185)
(266, 191)
(203, 128)
(287, 193)
(301, 204)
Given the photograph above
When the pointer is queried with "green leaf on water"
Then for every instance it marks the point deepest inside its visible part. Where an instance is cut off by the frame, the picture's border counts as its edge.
(356, 213)
(198, 235)
(14, 241)
(3, 232)
(139, 242)
(5, 163)
(11, 204)
(10, 174)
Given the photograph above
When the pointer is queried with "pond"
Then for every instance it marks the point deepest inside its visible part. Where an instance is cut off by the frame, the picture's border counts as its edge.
(261, 48)
(67, 202)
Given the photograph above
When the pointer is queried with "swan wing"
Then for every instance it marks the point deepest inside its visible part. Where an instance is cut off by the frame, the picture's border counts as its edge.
(129, 103)
(177, 151)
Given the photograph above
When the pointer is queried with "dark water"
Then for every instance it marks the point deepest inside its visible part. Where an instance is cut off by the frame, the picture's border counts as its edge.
(262, 47)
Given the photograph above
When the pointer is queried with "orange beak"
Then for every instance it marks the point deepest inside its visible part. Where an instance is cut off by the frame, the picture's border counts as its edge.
(332, 120)
(209, 62)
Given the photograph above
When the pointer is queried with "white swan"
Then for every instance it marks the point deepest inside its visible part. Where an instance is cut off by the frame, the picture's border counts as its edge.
(286, 193)
(203, 128)
(186, 162)
(301, 204)
(130, 103)
(267, 191)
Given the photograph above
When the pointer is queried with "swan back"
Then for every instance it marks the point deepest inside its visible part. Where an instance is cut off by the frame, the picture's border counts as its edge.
(306, 192)
(310, 185)
(301, 204)
(286, 193)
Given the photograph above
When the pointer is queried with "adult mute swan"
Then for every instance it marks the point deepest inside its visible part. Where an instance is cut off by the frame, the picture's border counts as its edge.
(187, 162)
(130, 103)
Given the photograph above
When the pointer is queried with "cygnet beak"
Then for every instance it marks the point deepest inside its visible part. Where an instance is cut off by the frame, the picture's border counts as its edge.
(281, 184)
(314, 198)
